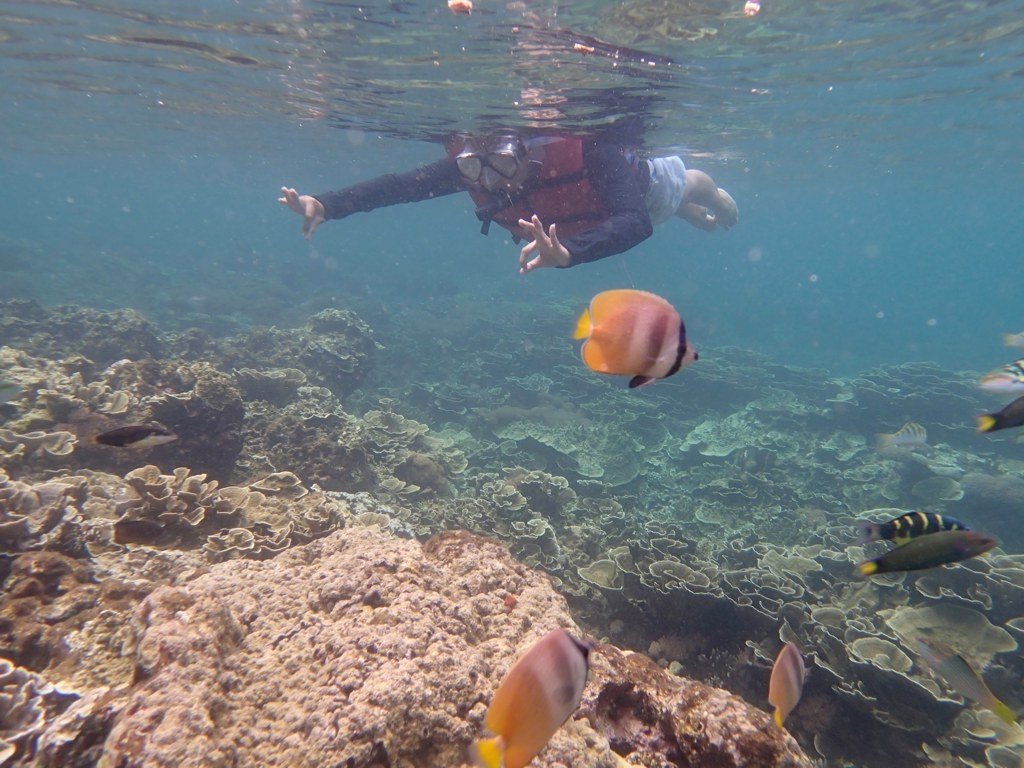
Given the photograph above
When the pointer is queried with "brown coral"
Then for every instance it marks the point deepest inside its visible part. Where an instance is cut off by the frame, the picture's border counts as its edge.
(365, 650)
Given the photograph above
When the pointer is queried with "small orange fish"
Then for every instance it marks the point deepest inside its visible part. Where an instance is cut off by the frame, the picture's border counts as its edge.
(460, 6)
(537, 695)
(633, 333)
(787, 682)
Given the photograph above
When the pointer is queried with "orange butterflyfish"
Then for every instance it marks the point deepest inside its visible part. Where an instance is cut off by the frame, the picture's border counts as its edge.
(633, 333)
(537, 695)
(787, 682)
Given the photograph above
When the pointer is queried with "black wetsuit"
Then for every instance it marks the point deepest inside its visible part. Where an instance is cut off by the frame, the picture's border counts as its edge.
(620, 187)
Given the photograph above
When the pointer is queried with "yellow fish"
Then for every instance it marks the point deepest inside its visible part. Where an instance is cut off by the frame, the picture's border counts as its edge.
(961, 676)
(787, 682)
(538, 694)
(633, 333)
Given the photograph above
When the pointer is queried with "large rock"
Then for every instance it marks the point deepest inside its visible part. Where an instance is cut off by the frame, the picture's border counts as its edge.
(361, 649)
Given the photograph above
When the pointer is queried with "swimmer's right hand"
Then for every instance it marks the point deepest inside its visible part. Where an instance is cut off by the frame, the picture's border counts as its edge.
(308, 207)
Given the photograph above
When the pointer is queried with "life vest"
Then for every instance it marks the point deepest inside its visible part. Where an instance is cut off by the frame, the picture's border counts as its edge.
(557, 190)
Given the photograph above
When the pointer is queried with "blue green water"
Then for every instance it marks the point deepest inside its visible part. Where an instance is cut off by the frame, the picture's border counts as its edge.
(872, 150)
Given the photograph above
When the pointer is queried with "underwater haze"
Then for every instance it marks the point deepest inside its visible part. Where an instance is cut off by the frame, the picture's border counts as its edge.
(874, 152)
(872, 149)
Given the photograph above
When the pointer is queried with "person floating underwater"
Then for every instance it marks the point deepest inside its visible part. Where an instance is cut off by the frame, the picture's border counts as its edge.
(928, 551)
(787, 682)
(596, 198)
(536, 697)
(633, 333)
(1011, 416)
(902, 529)
(961, 676)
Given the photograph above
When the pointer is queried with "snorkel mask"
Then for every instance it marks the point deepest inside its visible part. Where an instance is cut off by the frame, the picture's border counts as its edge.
(497, 168)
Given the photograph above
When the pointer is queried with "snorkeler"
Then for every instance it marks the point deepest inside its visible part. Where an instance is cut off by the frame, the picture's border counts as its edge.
(575, 200)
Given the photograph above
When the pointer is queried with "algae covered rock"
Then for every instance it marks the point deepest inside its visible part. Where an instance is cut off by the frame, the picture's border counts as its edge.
(361, 649)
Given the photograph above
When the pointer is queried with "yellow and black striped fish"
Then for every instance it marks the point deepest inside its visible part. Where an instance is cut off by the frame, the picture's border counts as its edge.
(902, 529)
(910, 435)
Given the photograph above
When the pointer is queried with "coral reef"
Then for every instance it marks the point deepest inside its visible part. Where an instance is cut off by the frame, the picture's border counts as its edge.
(27, 702)
(66, 331)
(390, 652)
(335, 349)
(705, 522)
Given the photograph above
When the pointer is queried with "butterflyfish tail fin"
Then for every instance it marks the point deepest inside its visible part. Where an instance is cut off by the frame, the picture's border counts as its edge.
(583, 326)
(777, 717)
(1009, 339)
(1005, 713)
(488, 753)
(883, 440)
(986, 422)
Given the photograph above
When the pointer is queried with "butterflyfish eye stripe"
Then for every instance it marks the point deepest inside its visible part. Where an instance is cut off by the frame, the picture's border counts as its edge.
(680, 350)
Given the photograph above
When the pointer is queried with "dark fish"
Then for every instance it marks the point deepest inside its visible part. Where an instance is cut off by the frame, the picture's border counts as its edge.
(1011, 416)
(135, 436)
(902, 529)
(929, 551)
(138, 532)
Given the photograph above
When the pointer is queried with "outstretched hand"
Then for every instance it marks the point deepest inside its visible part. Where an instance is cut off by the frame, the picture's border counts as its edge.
(549, 252)
(309, 208)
